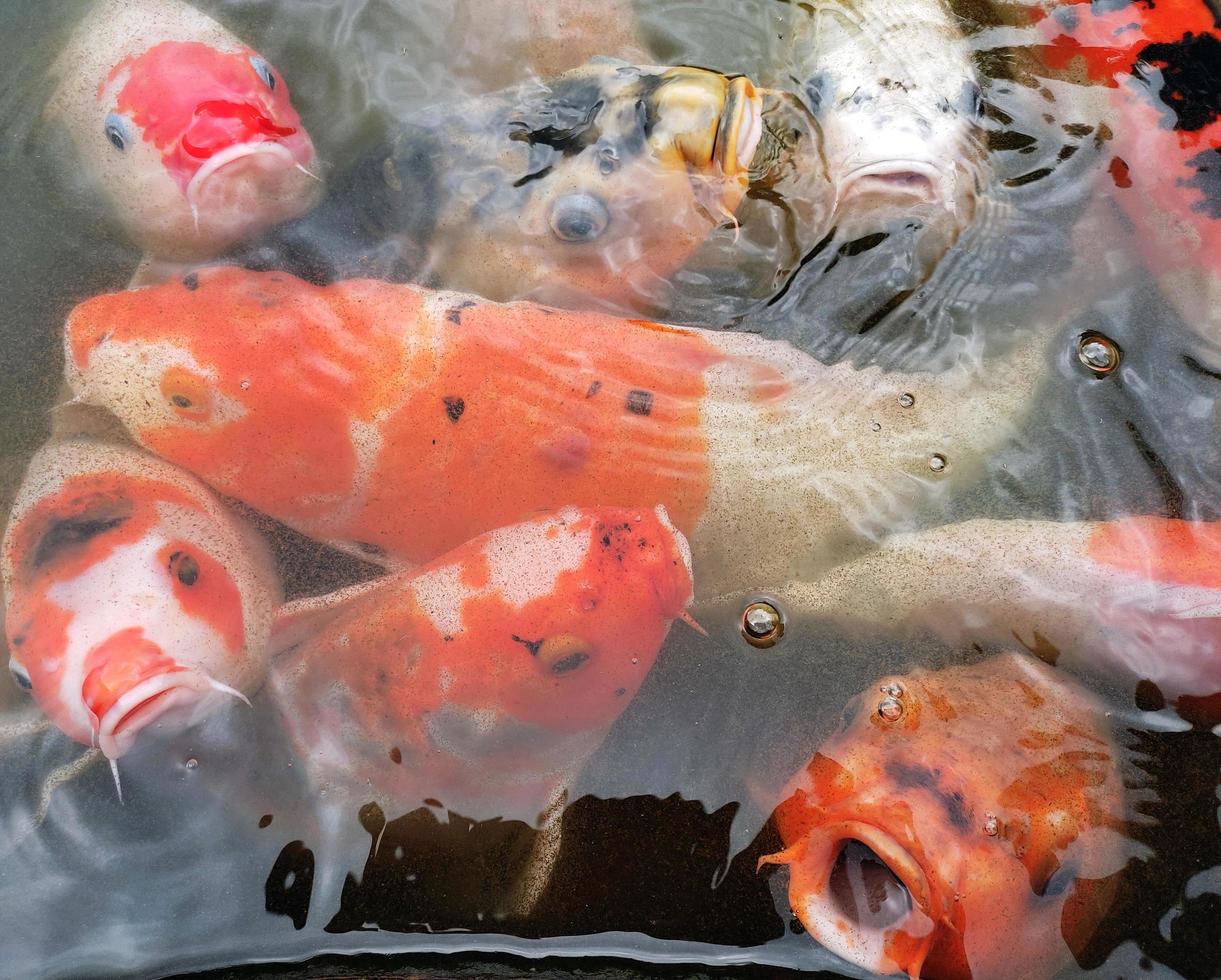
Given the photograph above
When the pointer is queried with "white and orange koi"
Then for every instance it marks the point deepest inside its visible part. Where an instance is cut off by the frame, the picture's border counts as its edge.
(487, 677)
(403, 421)
(188, 133)
(133, 598)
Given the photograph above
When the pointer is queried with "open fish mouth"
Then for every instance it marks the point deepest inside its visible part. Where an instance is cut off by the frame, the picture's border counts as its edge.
(740, 128)
(144, 703)
(860, 888)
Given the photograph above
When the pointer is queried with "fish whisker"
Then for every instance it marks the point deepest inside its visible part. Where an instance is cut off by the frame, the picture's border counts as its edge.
(308, 173)
(226, 689)
(114, 771)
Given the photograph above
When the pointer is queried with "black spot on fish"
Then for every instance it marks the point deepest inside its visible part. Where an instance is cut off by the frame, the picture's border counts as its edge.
(606, 541)
(396, 755)
(290, 884)
(1207, 180)
(818, 89)
(593, 389)
(639, 401)
(454, 313)
(1198, 368)
(1189, 83)
(265, 821)
(454, 407)
(534, 175)
(571, 117)
(191, 281)
(1148, 696)
(531, 645)
(908, 776)
(620, 691)
(373, 550)
(71, 533)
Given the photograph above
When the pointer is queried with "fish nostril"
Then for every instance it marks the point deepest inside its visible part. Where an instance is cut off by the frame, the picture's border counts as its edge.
(865, 890)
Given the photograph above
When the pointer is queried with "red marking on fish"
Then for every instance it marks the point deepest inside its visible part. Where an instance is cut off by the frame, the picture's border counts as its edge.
(191, 101)
(1179, 552)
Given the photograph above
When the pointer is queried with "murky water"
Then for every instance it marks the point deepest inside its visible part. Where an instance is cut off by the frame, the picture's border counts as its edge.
(950, 379)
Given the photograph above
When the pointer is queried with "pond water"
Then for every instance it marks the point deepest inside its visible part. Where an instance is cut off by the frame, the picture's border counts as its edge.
(953, 427)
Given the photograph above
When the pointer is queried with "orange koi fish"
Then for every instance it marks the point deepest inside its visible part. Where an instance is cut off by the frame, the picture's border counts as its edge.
(133, 599)
(959, 825)
(1139, 597)
(1161, 62)
(491, 673)
(404, 421)
(189, 134)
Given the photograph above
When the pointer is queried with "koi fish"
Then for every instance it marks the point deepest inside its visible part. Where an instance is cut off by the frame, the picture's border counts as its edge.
(894, 87)
(1159, 62)
(599, 183)
(487, 675)
(188, 134)
(133, 599)
(962, 823)
(401, 422)
(1139, 597)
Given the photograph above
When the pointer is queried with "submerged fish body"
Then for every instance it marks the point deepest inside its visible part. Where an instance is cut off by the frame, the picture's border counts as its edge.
(894, 88)
(489, 675)
(599, 183)
(133, 599)
(186, 132)
(404, 421)
(962, 823)
(1139, 597)
(1160, 62)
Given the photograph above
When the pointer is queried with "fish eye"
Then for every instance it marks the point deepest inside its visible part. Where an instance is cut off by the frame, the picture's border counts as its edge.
(184, 568)
(117, 131)
(563, 654)
(20, 675)
(578, 217)
(263, 70)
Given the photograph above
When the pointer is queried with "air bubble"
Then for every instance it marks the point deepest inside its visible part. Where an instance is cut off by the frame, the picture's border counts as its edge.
(876, 426)
(992, 826)
(192, 763)
(890, 709)
(937, 463)
(1098, 353)
(892, 690)
(762, 624)
(907, 400)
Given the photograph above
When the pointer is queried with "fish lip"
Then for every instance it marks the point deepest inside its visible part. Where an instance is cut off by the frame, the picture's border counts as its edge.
(142, 705)
(922, 179)
(823, 849)
(238, 151)
(740, 128)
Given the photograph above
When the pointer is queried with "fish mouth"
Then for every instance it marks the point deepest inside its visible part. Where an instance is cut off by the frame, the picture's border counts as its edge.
(714, 122)
(143, 704)
(855, 888)
(898, 182)
(739, 128)
(266, 175)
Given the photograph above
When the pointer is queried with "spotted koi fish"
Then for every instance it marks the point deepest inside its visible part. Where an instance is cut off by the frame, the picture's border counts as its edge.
(1160, 62)
(401, 422)
(1140, 597)
(188, 134)
(133, 599)
(962, 823)
(488, 675)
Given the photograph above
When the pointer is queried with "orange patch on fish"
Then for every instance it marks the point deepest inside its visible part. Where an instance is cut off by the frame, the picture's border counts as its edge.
(1180, 552)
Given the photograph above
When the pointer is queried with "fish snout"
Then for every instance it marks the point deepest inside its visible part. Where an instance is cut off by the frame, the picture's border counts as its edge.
(130, 682)
(855, 887)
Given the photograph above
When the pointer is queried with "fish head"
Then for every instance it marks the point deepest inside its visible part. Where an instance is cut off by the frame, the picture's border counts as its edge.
(600, 183)
(576, 604)
(961, 823)
(895, 92)
(189, 134)
(131, 599)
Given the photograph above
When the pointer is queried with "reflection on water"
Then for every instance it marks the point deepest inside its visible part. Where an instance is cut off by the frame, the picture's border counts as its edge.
(950, 392)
